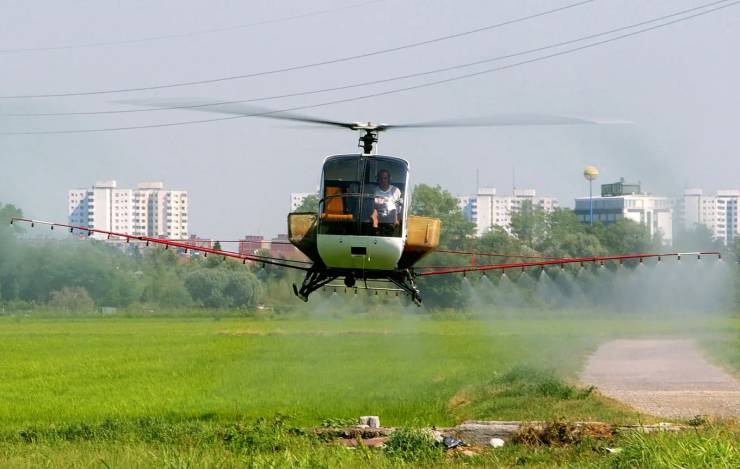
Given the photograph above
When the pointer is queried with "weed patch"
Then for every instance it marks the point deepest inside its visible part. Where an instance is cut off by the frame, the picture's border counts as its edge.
(712, 447)
(413, 445)
(338, 422)
(529, 381)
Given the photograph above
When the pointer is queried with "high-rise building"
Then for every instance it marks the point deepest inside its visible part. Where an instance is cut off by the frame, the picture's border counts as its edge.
(719, 212)
(486, 209)
(160, 212)
(148, 210)
(621, 200)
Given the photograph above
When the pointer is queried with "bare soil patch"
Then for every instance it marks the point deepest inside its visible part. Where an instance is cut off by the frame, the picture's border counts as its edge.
(664, 377)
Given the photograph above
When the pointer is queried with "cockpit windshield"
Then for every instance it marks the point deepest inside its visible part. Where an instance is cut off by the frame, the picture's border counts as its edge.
(363, 196)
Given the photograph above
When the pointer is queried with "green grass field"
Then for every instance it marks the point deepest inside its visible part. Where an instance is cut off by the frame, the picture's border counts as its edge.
(146, 391)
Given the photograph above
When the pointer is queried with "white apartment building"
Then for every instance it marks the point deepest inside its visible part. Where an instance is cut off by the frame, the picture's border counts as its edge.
(486, 209)
(653, 212)
(297, 198)
(148, 210)
(720, 212)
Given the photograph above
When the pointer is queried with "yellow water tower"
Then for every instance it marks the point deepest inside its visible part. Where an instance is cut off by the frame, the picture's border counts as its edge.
(590, 173)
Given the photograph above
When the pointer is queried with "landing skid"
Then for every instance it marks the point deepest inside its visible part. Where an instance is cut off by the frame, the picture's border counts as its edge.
(319, 277)
(315, 279)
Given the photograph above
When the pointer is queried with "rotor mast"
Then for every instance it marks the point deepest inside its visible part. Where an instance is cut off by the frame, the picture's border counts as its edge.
(368, 136)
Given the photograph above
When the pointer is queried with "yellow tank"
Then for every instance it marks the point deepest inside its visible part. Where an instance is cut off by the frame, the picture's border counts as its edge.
(302, 233)
(422, 239)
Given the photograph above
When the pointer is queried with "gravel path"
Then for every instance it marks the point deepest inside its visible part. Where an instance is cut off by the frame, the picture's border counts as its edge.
(662, 377)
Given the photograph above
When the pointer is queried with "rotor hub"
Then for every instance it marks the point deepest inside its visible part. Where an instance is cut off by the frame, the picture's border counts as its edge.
(368, 139)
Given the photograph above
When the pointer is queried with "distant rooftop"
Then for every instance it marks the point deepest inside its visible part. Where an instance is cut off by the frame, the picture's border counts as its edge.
(620, 188)
(151, 185)
(110, 184)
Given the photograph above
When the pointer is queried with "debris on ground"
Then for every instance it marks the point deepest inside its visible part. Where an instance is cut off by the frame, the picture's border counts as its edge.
(612, 450)
(496, 442)
(370, 421)
(451, 442)
(480, 434)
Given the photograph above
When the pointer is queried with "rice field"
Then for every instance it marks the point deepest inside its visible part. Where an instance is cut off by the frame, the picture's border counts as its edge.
(149, 391)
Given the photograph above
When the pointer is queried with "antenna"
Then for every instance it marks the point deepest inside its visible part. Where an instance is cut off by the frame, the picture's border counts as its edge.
(477, 180)
(513, 180)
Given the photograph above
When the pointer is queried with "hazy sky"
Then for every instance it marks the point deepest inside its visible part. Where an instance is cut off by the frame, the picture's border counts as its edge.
(678, 85)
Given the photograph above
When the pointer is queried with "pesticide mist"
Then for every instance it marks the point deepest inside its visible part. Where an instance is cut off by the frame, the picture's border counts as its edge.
(688, 286)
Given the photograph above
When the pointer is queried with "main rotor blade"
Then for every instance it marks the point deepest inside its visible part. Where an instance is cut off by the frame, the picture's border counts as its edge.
(241, 109)
(499, 121)
(236, 108)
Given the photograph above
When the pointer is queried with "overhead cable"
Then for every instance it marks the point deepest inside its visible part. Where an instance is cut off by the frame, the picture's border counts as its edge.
(391, 91)
(304, 66)
(191, 33)
(370, 82)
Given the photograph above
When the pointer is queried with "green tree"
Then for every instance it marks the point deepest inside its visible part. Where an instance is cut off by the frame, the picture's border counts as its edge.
(310, 204)
(73, 299)
(568, 237)
(436, 202)
(498, 240)
(224, 288)
(529, 224)
(8, 252)
(213, 261)
(457, 232)
(698, 238)
(162, 277)
(624, 237)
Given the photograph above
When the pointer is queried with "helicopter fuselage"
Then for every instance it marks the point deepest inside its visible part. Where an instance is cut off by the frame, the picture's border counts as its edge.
(361, 230)
(362, 220)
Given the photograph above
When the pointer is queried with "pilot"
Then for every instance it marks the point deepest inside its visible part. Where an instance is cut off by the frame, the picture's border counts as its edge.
(387, 201)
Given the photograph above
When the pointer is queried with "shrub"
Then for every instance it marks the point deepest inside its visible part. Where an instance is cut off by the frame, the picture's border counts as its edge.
(413, 445)
(72, 299)
(528, 381)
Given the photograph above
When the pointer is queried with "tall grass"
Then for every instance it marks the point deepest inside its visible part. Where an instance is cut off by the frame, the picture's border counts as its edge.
(715, 447)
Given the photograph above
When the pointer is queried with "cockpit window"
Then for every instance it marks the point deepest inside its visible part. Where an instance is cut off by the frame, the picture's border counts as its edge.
(363, 196)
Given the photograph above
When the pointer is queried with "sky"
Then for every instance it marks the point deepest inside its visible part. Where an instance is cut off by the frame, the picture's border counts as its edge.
(667, 98)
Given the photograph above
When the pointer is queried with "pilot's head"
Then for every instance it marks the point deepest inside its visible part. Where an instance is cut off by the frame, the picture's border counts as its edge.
(384, 179)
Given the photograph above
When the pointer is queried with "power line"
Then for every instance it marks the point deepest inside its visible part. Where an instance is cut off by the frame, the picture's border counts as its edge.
(305, 66)
(374, 82)
(191, 33)
(387, 92)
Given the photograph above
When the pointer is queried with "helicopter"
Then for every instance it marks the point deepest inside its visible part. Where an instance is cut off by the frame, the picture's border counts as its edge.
(362, 231)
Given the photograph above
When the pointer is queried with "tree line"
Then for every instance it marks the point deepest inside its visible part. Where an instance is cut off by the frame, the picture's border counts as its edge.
(535, 232)
(85, 274)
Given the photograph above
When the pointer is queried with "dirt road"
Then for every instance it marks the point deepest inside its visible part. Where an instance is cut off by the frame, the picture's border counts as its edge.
(663, 377)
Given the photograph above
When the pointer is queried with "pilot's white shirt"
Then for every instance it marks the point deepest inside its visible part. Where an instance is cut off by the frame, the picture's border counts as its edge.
(387, 203)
